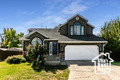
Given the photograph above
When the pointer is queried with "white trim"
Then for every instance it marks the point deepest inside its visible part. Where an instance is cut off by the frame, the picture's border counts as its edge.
(82, 42)
(35, 32)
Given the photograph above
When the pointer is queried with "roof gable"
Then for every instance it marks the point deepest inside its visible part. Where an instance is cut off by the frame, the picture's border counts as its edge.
(26, 36)
(77, 15)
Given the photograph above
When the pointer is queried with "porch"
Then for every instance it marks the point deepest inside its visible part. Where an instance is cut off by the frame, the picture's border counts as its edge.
(54, 57)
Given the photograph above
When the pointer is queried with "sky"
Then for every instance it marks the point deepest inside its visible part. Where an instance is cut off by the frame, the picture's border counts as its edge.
(24, 14)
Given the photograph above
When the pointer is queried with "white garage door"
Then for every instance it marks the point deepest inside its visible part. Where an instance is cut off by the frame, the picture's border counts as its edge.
(81, 52)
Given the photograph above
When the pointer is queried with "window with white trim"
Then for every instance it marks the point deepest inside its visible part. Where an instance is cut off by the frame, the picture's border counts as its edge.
(82, 30)
(71, 30)
(77, 29)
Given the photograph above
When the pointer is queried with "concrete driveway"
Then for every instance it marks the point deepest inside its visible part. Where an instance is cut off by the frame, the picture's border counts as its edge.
(84, 70)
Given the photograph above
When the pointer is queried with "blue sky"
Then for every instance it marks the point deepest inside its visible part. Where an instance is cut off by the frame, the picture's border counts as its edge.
(24, 14)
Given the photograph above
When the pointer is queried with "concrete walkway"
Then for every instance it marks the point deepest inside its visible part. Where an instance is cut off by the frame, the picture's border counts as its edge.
(84, 70)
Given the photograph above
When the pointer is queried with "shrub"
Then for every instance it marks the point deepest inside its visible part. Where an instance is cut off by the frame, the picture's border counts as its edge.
(23, 60)
(15, 59)
(37, 54)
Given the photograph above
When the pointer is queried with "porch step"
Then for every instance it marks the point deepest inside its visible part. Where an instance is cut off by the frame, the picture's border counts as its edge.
(52, 63)
(52, 60)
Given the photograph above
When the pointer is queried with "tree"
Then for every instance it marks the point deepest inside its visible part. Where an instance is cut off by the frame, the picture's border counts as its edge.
(1, 39)
(11, 38)
(111, 32)
(37, 54)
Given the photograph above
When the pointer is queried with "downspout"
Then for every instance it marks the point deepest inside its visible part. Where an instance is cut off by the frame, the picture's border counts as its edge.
(104, 46)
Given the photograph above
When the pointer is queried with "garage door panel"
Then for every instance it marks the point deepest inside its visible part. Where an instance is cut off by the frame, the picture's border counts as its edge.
(81, 52)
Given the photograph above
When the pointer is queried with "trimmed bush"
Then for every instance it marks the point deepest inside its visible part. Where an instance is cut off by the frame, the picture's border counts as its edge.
(16, 59)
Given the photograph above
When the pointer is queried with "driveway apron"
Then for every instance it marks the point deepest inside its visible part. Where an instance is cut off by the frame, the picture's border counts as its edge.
(84, 70)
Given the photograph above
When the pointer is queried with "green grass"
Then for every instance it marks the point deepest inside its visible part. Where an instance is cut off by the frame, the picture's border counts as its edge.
(24, 71)
(116, 63)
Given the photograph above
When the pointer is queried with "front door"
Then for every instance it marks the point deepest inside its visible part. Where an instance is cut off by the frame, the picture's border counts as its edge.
(52, 48)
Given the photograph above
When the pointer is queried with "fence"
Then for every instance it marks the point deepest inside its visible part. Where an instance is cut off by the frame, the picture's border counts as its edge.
(115, 55)
(5, 54)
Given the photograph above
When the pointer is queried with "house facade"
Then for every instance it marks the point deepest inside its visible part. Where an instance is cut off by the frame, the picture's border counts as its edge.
(72, 40)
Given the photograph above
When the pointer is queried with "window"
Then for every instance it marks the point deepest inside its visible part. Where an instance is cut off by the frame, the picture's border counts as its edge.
(33, 42)
(71, 30)
(77, 28)
(82, 30)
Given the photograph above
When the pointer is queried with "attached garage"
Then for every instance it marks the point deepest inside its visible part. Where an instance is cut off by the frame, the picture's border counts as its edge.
(81, 52)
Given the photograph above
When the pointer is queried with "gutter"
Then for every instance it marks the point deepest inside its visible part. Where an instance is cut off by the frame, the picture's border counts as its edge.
(105, 42)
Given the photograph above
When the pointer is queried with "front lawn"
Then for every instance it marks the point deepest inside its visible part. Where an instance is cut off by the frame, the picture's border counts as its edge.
(116, 63)
(25, 71)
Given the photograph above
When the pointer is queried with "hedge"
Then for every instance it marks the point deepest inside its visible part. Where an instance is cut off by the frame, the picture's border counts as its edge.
(15, 59)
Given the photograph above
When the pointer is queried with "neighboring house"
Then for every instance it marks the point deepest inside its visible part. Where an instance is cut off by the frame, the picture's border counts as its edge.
(102, 63)
(72, 40)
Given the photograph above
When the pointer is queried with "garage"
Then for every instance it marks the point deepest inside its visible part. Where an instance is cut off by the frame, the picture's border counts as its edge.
(81, 52)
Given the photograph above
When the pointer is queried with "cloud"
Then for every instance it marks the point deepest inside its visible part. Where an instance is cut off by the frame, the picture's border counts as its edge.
(49, 21)
(96, 32)
(25, 12)
(74, 8)
(21, 28)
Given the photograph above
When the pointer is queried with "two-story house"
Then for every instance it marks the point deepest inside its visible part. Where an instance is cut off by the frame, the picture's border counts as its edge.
(74, 39)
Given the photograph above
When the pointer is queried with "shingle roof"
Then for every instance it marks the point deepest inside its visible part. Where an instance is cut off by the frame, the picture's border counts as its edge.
(34, 31)
(54, 34)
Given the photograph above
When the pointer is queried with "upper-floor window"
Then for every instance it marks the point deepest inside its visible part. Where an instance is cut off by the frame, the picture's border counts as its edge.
(71, 30)
(77, 29)
(82, 30)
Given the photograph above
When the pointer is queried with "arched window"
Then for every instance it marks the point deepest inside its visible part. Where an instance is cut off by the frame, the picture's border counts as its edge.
(77, 29)
(33, 42)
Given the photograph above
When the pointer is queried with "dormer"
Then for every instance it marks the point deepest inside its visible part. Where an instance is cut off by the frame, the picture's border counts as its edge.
(76, 26)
